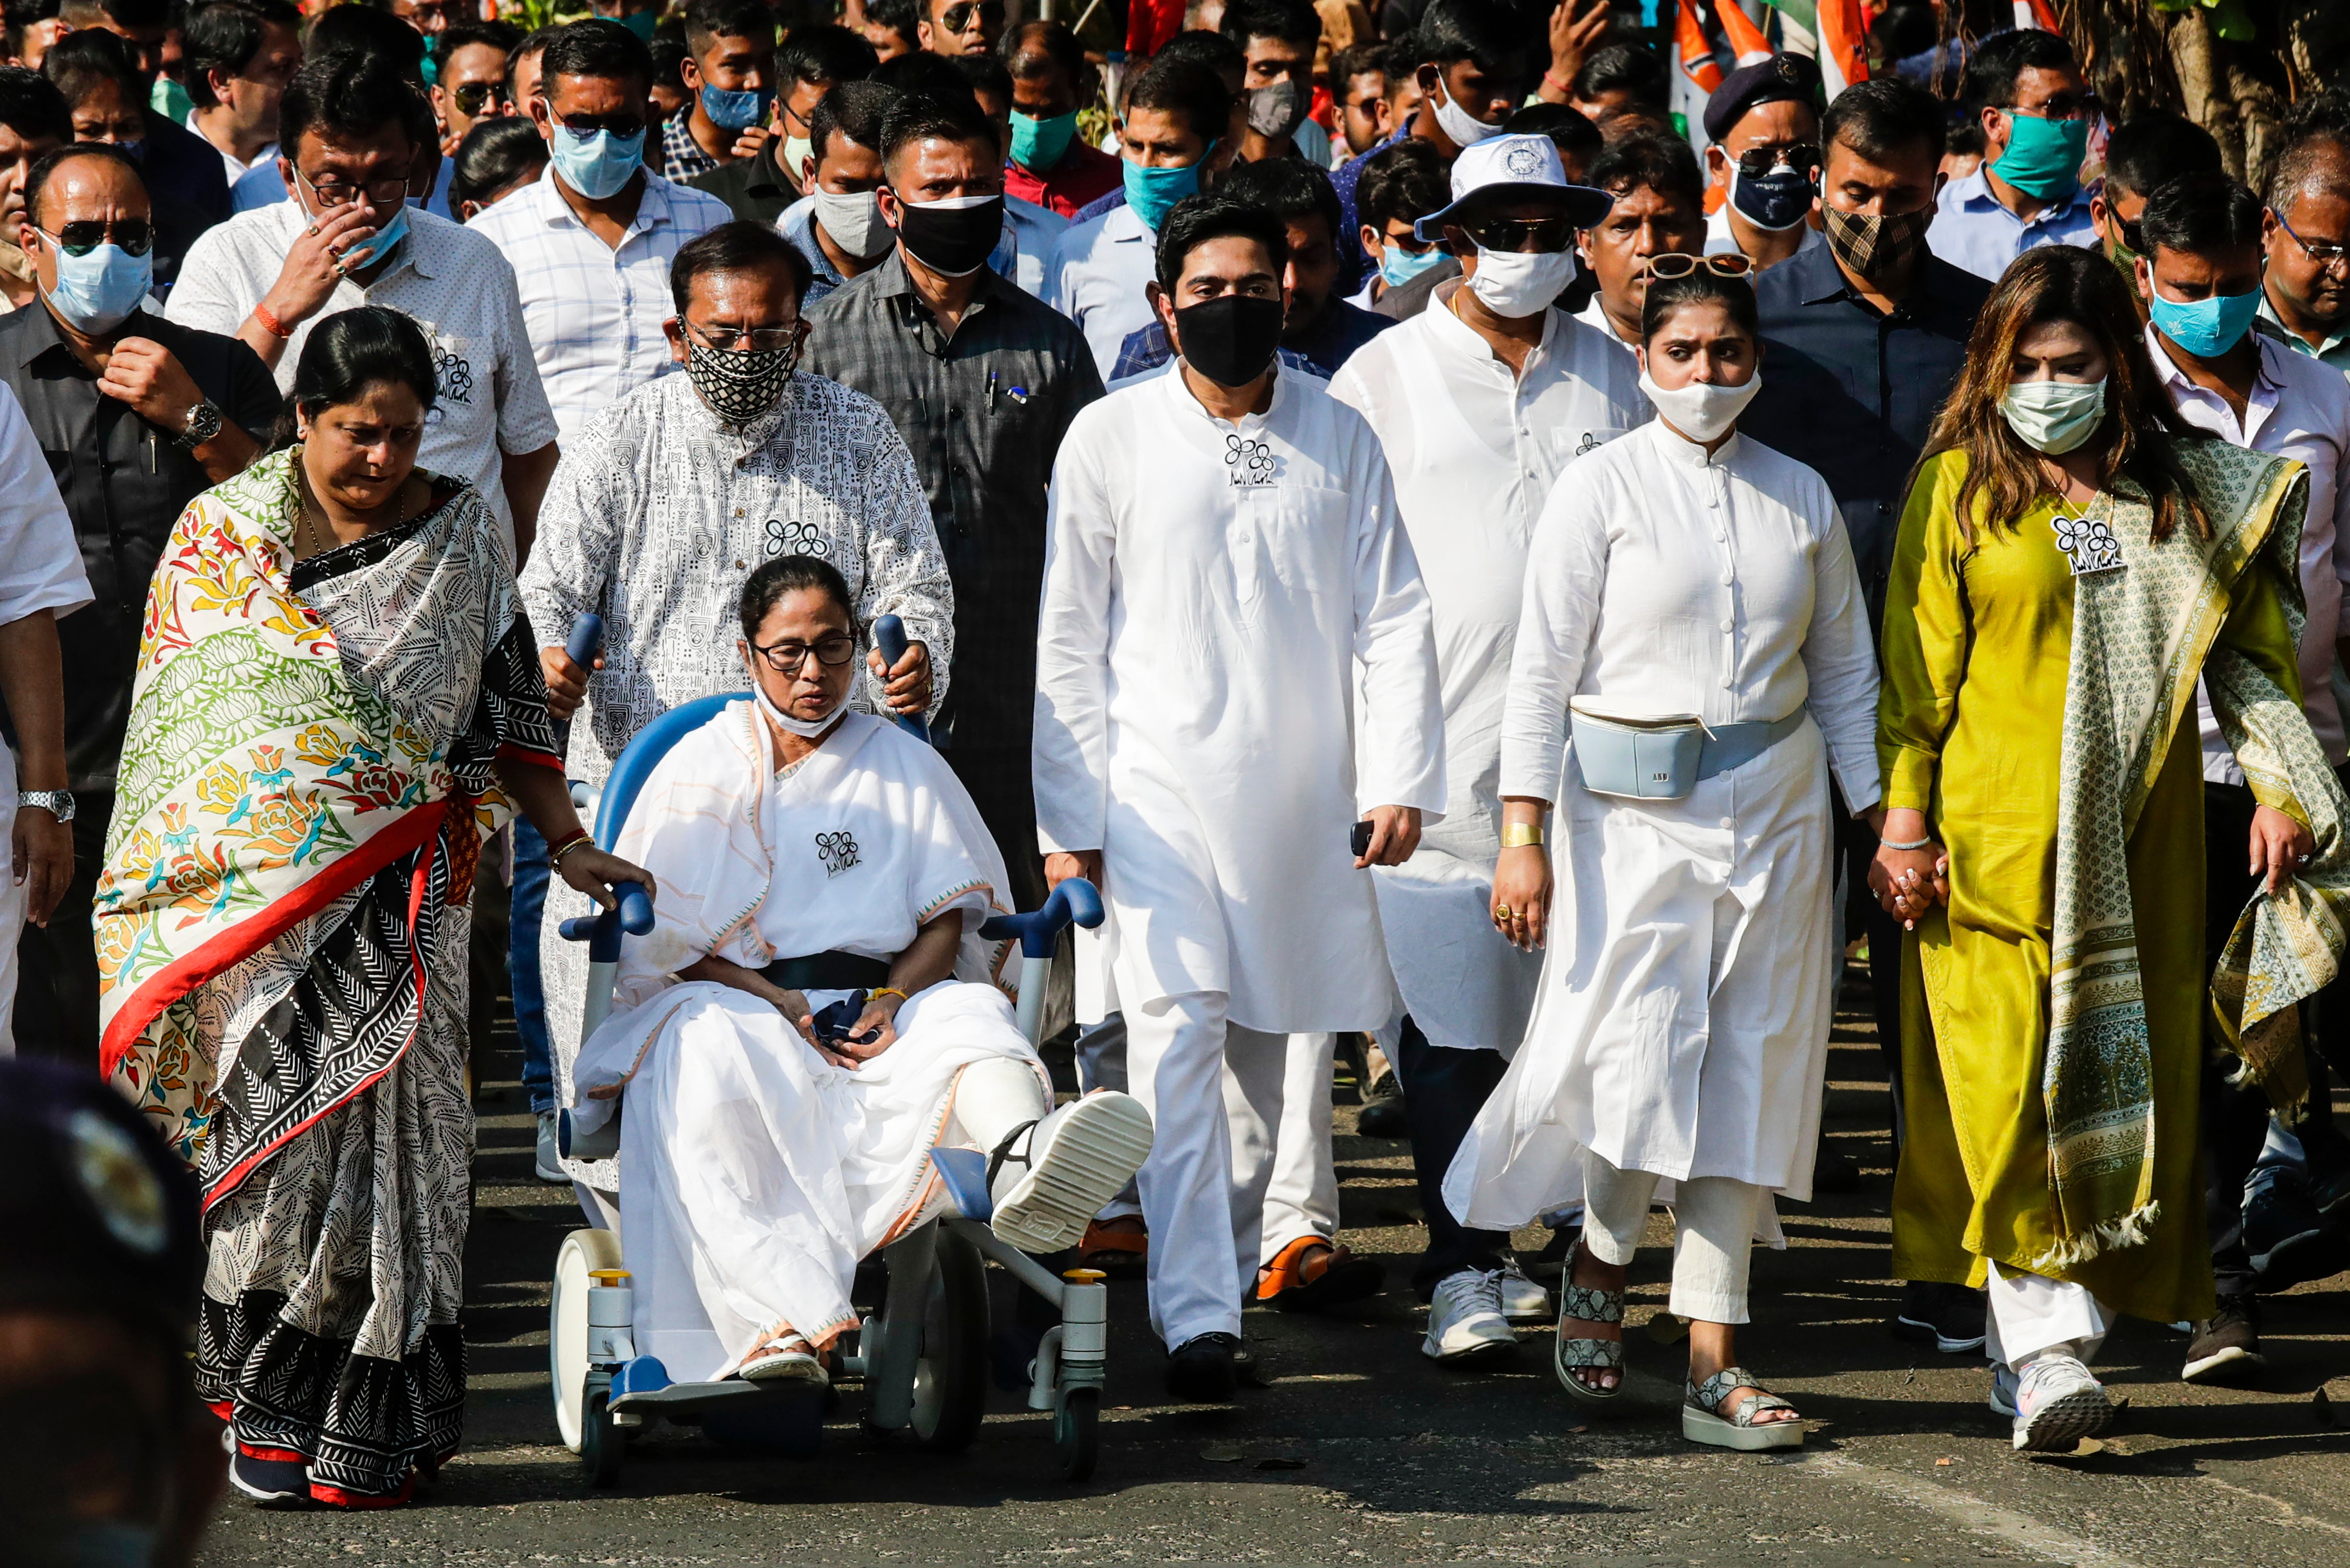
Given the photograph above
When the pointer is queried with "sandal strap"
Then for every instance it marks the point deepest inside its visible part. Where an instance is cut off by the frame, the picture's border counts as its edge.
(1004, 1153)
(1709, 1395)
(1605, 1354)
(1587, 1301)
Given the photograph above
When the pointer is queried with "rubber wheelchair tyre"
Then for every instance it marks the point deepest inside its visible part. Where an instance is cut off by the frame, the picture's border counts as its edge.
(1077, 1434)
(567, 1326)
(602, 1445)
(950, 1377)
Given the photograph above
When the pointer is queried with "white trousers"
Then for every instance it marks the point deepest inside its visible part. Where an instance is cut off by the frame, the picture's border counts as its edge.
(1240, 1161)
(2030, 1314)
(1713, 1233)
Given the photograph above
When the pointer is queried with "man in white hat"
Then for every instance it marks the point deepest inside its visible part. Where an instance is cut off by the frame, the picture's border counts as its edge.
(1479, 402)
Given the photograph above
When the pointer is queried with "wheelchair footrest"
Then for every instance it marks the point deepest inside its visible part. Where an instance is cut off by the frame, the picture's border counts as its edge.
(964, 1173)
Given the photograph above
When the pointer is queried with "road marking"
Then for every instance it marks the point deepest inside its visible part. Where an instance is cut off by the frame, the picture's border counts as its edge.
(1969, 1511)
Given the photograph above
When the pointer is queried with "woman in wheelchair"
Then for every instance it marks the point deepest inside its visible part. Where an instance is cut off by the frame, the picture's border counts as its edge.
(812, 1011)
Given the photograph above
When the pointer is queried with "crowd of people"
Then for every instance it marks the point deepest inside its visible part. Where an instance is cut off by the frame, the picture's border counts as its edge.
(1948, 579)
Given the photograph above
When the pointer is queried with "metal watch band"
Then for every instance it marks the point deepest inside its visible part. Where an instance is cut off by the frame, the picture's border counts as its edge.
(57, 803)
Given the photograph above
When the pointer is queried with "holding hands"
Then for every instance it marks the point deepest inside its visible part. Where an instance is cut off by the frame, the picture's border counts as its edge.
(1912, 873)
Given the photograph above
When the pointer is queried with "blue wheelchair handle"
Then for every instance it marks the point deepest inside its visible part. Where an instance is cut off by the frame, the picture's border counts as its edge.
(585, 641)
(601, 930)
(890, 637)
(1074, 902)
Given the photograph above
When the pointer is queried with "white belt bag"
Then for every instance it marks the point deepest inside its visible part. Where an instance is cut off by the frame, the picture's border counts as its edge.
(1664, 758)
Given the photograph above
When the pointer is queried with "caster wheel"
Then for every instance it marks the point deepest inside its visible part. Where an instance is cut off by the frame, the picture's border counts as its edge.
(602, 1445)
(1077, 1434)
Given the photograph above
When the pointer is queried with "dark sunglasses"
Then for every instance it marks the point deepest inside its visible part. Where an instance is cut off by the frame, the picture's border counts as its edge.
(2063, 106)
(135, 235)
(1523, 233)
(2132, 241)
(958, 17)
(1757, 161)
(475, 97)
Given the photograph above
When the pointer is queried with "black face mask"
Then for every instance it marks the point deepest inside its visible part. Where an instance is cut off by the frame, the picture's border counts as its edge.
(955, 240)
(1230, 340)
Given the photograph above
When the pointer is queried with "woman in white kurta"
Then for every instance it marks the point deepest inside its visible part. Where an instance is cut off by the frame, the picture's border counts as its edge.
(811, 857)
(1681, 1025)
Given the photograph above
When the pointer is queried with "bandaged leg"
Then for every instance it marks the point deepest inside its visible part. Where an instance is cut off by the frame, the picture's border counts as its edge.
(2031, 1315)
(1277, 1101)
(992, 1100)
(1053, 1169)
(1175, 1061)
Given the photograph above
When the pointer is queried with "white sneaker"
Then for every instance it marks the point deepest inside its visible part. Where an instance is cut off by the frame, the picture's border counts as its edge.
(1077, 1159)
(2058, 1403)
(1522, 1301)
(549, 1162)
(1465, 1325)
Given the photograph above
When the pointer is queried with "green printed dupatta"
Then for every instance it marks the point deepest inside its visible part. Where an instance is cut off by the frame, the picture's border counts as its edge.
(2142, 636)
(295, 731)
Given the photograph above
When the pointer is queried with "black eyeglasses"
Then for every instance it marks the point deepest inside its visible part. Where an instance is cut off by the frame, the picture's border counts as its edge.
(2324, 253)
(1757, 161)
(958, 17)
(1680, 264)
(335, 194)
(1523, 233)
(785, 658)
(472, 98)
(135, 235)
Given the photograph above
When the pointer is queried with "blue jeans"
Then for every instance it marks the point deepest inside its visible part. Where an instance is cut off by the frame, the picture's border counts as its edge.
(529, 907)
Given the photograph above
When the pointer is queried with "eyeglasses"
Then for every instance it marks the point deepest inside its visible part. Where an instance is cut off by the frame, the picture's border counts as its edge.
(785, 658)
(135, 235)
(2063, 106)
(1680, 264)
(1523, 233)
(472, 98)
(335, 194)
(619, 126)
(1757, 161)
(958, 17)
(765, 339)
(2325, 254)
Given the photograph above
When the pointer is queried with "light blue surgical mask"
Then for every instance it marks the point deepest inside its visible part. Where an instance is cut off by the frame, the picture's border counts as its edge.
(736, 108)
(2054, 417)
(1399, 266)
(1039, 145)
(1153, 192)
(362, 257)
(101, 289)
(2043, 156)
(2206, 328)
(596, 163)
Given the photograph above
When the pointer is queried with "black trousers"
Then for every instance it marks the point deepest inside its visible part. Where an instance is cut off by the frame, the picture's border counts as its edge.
(56, 965)
(1444, 1090)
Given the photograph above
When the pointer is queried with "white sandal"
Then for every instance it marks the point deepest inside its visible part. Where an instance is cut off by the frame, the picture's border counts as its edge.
(787, 1358)
(1701, 1421)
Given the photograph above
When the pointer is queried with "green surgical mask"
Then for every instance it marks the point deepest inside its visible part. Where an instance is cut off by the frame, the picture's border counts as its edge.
(2054, 417)
(2043, 156)
(1039, 145)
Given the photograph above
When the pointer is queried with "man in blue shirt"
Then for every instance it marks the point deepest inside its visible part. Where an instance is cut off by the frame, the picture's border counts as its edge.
(2036, 111)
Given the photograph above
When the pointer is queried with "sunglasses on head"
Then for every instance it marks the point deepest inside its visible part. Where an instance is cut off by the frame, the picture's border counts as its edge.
(1680, 264)
(475, 97)
(135, 235)
(1757, 161)
(958, 17)
(1523, 233)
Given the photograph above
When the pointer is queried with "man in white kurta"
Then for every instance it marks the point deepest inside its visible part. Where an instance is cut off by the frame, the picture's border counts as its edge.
(1479, 408)
(1232, 619)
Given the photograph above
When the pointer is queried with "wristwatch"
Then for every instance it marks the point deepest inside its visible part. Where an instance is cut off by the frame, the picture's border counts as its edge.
(205, 422)
(57, 803)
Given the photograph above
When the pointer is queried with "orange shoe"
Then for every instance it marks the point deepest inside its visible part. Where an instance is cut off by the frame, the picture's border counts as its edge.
(1314, 1272)
(1119, 1248)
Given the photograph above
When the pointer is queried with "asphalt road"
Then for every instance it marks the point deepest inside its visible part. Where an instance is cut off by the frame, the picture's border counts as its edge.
(1362, 1451)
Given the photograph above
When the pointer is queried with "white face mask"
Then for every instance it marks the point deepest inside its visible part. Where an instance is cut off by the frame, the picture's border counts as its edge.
(854, 221)
(1702, 412)
(1521, 283)
(1465, 129)
(806, 729)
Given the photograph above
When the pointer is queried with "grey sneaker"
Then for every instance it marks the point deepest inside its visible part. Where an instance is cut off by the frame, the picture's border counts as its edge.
(1522, 1301)
(1465, 1325)
(548, 1165)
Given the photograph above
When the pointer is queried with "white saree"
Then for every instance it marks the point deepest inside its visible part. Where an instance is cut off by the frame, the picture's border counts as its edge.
(759, 1173)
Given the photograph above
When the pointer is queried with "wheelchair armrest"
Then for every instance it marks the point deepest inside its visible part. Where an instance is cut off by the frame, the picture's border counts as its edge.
(601, 930)
(1074, 902)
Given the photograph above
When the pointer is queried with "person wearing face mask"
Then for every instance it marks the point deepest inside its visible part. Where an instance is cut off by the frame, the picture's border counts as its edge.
(2035, 112)
(1480, 402)
(2073, 556)
(1400, 186)
(138, 415)
(837, 225)
(1237, 714)
(1866, 336)
(2200, 274)
(2150, 149)
(983, 381)
(730, 83)
(33, 121)
(1277, 39)
(1031, 230)
(1473, 62)
(1171, 129)
(764, 186)
(1763, 124)
(1049, 162)
(665, 502)
(1691, 620)
(106, 92)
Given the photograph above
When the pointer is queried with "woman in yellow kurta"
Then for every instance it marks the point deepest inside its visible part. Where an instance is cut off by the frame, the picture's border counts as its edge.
(2071, 558)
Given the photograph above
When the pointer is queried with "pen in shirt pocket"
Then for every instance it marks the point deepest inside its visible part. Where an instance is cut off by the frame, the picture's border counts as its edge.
(991, 391)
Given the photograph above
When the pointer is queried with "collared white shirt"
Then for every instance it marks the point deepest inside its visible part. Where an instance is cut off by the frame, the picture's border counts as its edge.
(595, 312)
(449, 279)
(657, 513)
(1595, 316)
(1095, 276)
(1972, 230)
(238, 168)
(2299, 409)
(1721, 240)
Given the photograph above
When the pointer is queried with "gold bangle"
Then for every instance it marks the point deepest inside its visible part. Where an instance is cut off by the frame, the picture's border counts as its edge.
(1519, 835)
(555, 856)
(887, 991)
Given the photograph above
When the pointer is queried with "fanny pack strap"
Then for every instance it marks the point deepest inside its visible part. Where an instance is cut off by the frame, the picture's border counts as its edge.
(1734, 746)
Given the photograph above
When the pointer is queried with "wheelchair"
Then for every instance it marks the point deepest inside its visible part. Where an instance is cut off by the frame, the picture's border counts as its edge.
(924, 1357)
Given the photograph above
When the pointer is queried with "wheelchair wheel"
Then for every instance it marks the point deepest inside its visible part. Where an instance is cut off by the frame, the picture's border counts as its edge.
(951, 1377)
(566, 1326)
(1077, 1434)
(602, 1445)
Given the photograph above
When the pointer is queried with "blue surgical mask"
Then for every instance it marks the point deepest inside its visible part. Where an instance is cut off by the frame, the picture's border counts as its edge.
(2043, 156)
(2206, 328)
(736, 108)
(359, 257)
(1399, 266)
(1153, 192)
(596, 163)
(100, 291)
(1777, 202)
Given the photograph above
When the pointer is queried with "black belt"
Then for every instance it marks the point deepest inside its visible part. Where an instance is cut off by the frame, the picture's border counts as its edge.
(829, 972)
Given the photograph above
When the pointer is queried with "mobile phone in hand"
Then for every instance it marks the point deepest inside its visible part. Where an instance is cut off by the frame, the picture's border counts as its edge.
(1360, 840)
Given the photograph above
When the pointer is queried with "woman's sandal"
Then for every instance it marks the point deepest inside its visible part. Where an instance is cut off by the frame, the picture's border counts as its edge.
(1702, 1423)
(1590, 1305)
(786, 1358)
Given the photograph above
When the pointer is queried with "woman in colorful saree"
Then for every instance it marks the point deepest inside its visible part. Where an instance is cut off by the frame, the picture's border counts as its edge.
(337, 699)
(795, 1041)
(2071, 560)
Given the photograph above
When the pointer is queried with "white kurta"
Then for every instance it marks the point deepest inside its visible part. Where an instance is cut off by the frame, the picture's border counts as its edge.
(1474, 450)
(1209, 592)
(759, 1173)
(1682, 1023)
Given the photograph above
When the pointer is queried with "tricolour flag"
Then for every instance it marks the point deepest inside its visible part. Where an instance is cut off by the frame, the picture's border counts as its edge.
(2039, 14)
(1746, 40)
(1843, 44)
(1695, 73)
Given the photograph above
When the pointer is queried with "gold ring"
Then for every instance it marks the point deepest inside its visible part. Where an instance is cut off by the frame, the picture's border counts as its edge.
(1501, 912)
